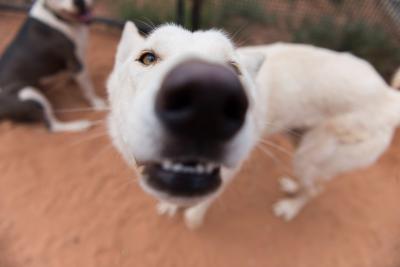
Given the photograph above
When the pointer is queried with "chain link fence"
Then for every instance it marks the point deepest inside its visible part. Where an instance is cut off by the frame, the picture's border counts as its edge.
(367, 28)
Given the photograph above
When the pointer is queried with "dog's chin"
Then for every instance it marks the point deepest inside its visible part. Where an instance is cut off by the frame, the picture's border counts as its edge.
(183, 183)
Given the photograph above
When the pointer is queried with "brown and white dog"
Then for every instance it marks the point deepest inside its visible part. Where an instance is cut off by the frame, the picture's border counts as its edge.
(188, 107)
(52, 40)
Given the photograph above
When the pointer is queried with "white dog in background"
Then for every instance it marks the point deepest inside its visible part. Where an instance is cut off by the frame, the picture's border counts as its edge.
(188, 108)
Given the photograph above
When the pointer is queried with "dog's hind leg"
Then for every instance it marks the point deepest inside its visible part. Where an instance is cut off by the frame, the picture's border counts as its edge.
(339, 145)
(20, 111)
(32, 95)
(88, 91)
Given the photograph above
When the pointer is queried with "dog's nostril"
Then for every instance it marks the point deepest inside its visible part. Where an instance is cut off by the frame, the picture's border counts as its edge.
(202, 102)
(177, 106)
(234, 109)
(179, 101)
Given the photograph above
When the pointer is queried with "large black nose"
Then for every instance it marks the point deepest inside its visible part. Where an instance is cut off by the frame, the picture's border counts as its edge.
(202, 101)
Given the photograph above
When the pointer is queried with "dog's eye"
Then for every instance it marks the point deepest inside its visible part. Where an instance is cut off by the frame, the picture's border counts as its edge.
(235, 67)
(148, 58)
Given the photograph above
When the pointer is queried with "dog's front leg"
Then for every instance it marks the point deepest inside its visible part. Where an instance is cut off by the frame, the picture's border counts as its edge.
(86, 85)
(194, 216)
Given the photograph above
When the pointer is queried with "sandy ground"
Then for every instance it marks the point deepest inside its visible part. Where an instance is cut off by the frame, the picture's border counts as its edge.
(69, 200)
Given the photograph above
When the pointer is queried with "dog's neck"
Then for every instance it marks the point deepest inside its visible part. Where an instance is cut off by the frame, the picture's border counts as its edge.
(49, 9)
(40, 12)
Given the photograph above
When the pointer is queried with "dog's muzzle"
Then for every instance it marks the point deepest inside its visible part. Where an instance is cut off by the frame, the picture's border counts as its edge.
(84, 12)
(201, 107)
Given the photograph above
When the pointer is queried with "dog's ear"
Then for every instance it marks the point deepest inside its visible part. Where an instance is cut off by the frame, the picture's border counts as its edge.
(130, 38)
(252, 61)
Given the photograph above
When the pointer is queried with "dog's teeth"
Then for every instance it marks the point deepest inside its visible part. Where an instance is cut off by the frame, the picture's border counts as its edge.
(189, 170)
(167, 165)
(210, 167)
(177, 167)
(200, 168)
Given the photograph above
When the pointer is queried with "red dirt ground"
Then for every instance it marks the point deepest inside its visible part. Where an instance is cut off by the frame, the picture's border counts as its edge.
(69, 200)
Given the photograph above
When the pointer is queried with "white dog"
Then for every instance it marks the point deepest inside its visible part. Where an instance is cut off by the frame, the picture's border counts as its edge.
(343, 110)
(185, 107)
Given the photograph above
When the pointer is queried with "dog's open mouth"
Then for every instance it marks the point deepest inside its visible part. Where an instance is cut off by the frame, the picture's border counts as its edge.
(183, 178)
(85, 17)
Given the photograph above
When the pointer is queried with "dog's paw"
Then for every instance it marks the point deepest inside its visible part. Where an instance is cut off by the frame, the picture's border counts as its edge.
(194, 218)
(288, 185)
(168, 209)
(79, 126)
(288, 208)
(98, 103)
(75, 126)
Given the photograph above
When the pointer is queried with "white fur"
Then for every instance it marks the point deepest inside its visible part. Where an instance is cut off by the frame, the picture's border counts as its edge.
(78, 33)
(132, 87)
(87, 88)
(348, 112)
(346, 109)
(30, 93)
(288, 185)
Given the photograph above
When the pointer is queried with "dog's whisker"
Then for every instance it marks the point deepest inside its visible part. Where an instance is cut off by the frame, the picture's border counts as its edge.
(89, 138)
(235, 34)
(238, 31)
(239, 40)
(99, 122)
(266, 151)
(129, 182)
(277, 147)
(81, 110)
(278, 161)
(135, 167)
(287, 130)
(102, 151)
(147, 22)
(135, 178)
(150, 22)
(240, 43)
(126, 182)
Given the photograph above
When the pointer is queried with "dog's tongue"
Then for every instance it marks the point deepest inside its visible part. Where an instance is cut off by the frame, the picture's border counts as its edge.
(86, 17)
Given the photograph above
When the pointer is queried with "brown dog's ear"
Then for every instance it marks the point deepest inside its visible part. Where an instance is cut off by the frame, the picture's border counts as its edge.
(129, 39)
(251, 61)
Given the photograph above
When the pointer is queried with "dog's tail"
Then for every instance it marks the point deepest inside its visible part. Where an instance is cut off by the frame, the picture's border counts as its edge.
(396, 79)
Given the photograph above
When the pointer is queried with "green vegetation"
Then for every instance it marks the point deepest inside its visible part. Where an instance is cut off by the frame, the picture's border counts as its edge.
(216, 13)
(370, 42)
(230, 14)
(345, 32)
(152, 12)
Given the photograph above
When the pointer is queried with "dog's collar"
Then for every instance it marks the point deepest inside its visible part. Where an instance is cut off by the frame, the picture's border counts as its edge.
(55, 14)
